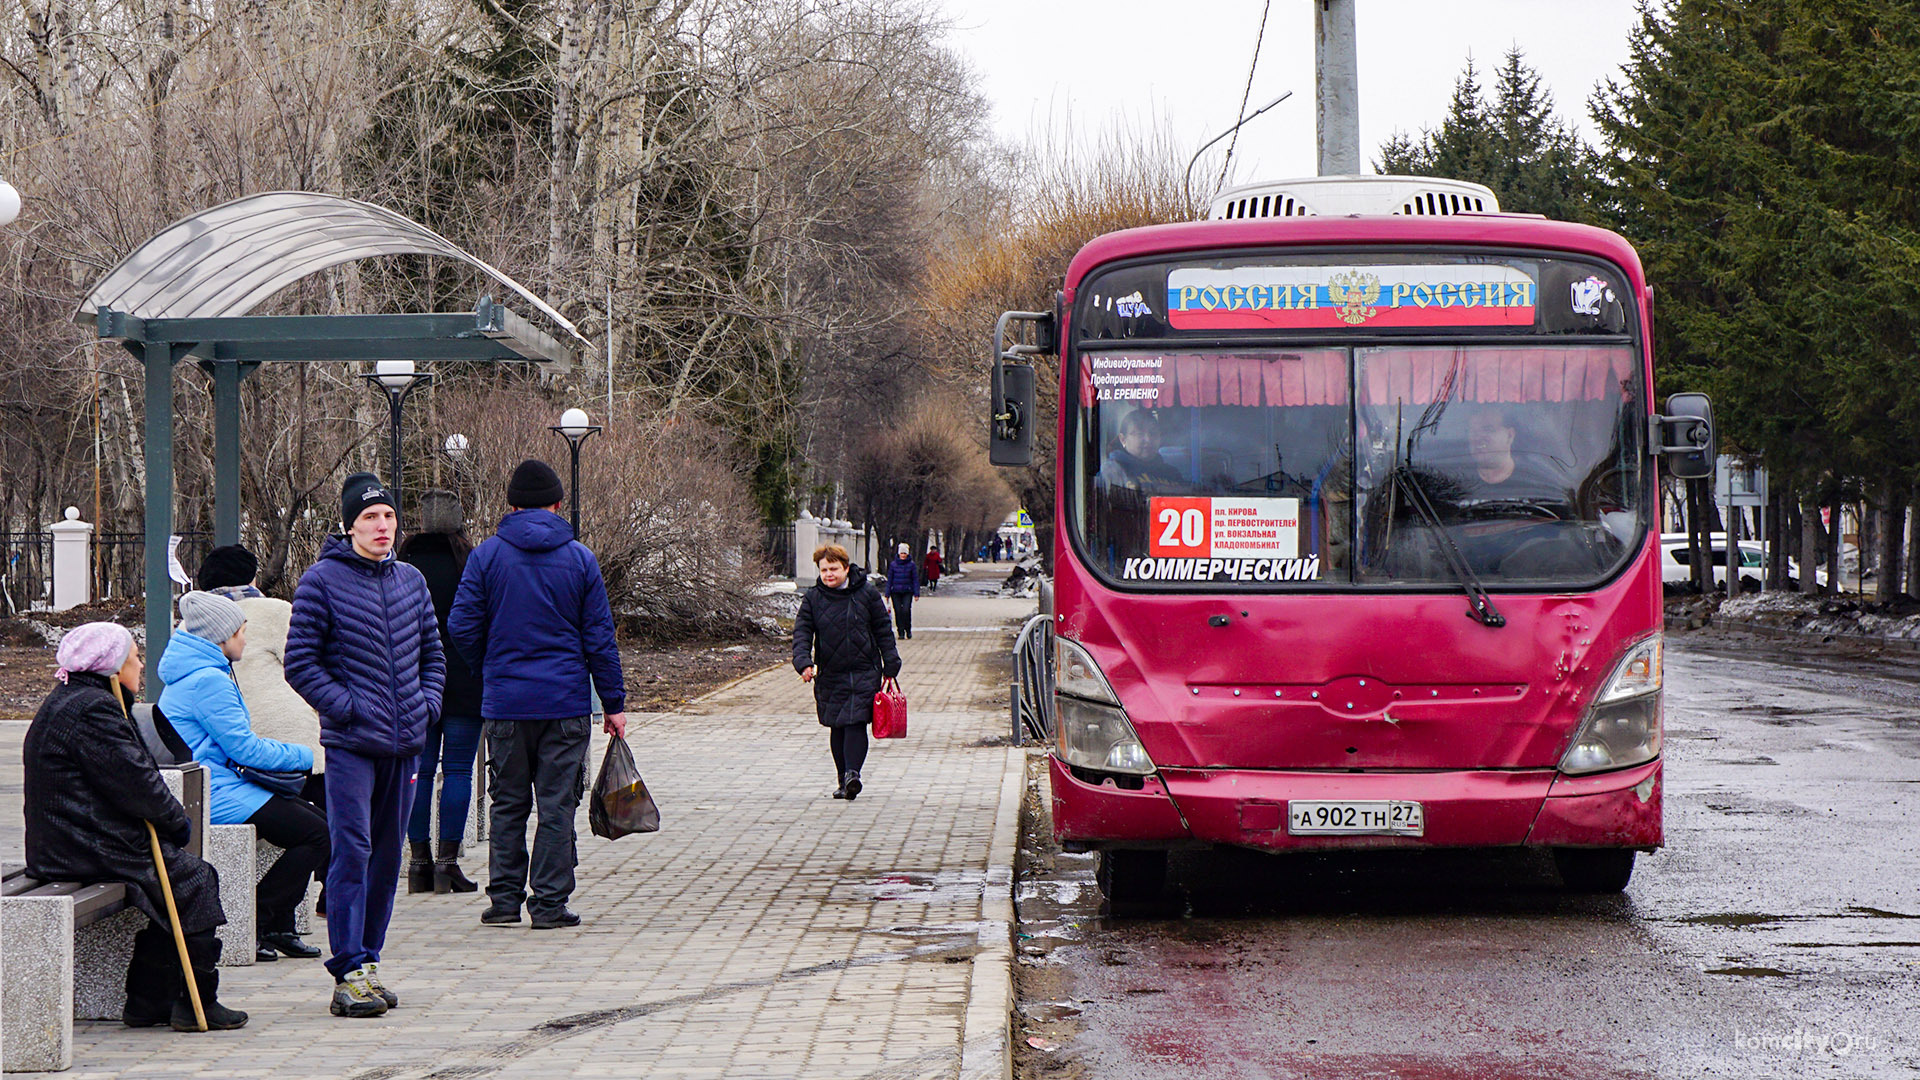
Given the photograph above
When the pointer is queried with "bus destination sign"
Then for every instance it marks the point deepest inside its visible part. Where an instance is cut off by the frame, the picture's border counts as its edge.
(1223, 539)
(1351, 297)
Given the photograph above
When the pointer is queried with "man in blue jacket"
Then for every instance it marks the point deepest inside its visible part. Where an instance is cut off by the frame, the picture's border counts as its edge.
(364, 649)
(903, 584)
(531, 616)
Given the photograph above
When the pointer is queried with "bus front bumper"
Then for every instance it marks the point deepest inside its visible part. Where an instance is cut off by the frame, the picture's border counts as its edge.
(1474, 808)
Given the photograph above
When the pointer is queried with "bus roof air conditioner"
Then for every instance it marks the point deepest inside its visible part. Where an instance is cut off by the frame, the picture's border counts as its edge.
(1343, 196)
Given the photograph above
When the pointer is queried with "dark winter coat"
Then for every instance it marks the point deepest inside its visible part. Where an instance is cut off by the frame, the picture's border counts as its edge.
(364, 650)
(903, 577)
(846, 635)
(432, 555)
(91, 785)
(532, 615)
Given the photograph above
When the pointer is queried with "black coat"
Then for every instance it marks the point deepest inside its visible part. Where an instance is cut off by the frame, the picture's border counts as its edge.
(91, 785)
(432, 555)
(847, 635)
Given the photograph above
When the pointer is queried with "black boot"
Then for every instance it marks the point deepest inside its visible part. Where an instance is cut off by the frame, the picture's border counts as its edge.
(206, 978)
(419, 867)
(447, 877)
(852, 785)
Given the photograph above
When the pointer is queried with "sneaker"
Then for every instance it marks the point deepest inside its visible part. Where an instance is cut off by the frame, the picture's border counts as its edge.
(555, 921)
(352, 997)
(219, 1017)
(372, 968)
(264, 953)
(500, 916)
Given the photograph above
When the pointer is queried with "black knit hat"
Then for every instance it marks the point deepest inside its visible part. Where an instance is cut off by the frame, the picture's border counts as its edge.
(229, 565)
(534, 483)
(362, 489)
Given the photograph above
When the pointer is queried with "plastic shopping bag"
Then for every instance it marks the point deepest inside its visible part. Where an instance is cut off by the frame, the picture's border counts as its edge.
(620, 803)
(890, 712)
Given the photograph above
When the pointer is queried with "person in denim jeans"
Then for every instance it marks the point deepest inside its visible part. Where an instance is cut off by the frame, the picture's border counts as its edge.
(439, 551)
(532, 617)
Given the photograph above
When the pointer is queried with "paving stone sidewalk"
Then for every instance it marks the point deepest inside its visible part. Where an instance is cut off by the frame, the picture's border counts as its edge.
(766, 931)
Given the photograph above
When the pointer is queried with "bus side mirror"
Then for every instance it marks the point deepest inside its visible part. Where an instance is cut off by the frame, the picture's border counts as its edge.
(1685, 436)
(1010, 429)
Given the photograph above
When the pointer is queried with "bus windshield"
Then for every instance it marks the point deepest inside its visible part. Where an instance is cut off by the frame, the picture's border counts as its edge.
(1389, 466)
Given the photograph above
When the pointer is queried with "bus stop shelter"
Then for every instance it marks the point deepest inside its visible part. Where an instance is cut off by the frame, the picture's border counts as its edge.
(186, 294)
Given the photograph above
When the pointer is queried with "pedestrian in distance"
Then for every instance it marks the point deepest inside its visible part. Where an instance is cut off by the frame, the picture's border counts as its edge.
(931, 569)
(204, 705)
(843, 644)
(91, 790)
(364, 650)
(439, 551)
(532, 617)
(903, 584)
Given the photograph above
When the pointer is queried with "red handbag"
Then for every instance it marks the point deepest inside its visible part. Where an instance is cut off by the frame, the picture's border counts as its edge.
(890, 712)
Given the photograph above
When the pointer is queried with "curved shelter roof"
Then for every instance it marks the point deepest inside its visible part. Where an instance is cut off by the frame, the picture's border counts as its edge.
(228, 259)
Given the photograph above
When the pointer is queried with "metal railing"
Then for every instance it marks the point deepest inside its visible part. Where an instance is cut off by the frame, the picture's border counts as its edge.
(1032, 688)
(120, 564)
(26, 570)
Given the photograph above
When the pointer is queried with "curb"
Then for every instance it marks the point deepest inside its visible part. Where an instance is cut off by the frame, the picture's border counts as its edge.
(986, 1050)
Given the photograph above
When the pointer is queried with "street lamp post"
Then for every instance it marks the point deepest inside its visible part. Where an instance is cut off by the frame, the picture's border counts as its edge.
(396, 378)
(575, 427)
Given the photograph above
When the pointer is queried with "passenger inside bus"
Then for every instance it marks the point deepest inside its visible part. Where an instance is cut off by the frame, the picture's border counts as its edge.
(1135, 462)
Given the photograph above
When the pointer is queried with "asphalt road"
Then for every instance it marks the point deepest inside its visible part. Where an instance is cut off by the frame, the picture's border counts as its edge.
(1778, 933)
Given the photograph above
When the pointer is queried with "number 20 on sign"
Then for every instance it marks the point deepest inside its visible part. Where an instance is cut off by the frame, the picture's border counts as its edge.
(1182, 528)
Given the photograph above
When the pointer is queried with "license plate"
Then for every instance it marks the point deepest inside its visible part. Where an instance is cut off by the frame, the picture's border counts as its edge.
(1362, 818)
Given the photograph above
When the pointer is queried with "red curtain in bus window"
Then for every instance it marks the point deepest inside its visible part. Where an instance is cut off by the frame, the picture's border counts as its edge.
(1419, 376)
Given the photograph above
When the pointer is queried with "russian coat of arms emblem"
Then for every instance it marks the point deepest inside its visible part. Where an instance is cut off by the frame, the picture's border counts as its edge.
(1354, 293)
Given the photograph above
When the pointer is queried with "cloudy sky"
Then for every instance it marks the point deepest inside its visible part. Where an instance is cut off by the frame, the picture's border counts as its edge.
(1094, 63)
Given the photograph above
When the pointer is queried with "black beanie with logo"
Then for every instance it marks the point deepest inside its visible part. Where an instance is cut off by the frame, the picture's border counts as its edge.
(362, 489)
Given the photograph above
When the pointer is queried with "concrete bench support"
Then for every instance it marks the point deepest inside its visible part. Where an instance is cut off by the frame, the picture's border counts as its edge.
(231, 850)
(36, 999)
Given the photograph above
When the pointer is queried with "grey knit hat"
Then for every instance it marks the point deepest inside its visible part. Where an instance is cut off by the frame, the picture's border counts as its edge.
(440, 512)
(205, 615)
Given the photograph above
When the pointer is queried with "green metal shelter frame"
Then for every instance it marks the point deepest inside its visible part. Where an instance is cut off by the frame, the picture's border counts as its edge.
(186, 293)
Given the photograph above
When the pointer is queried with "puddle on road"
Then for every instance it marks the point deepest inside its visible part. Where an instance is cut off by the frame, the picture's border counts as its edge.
(1879, 913)
(945, 887)
(1751, 972)
(1736, 920)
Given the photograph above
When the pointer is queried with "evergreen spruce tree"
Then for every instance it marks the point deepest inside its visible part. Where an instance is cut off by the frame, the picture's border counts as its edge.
(1513, 144)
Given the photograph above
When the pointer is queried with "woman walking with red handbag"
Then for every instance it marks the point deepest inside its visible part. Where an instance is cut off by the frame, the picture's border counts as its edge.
(843, 644)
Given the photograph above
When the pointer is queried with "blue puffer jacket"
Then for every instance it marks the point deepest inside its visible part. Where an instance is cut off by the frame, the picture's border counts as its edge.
(364, 650)
(902, 577)
(532, 617)
(203, 704)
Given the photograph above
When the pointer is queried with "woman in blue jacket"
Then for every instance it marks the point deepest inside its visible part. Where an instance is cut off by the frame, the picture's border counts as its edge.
(203, 704)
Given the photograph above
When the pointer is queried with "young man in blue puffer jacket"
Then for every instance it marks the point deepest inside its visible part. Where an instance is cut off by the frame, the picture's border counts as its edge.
(531, 615)
(363, 648)
(203, 703)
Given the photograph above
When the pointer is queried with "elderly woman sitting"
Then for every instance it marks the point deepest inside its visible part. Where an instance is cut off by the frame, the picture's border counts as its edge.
(91, 789)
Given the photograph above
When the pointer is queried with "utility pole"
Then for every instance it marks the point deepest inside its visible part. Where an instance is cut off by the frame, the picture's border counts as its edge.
(1337, 75)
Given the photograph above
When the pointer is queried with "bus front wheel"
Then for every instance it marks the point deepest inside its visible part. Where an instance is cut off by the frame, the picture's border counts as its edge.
(1594, 870)
(1128, 877)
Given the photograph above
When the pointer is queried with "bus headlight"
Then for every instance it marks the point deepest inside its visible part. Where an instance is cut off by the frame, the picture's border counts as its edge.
(1623, 726)
(1091, 730)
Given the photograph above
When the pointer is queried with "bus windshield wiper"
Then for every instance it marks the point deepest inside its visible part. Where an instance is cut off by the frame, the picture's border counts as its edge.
(1479, 603)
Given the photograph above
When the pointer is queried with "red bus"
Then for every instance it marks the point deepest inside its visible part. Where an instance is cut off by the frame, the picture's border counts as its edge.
(1356, 539)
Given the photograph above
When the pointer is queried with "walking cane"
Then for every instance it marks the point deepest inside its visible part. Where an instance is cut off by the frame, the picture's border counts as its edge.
(179, 938)
(166, 890)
